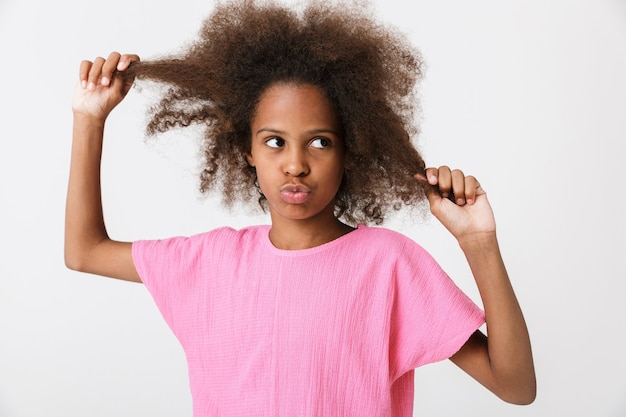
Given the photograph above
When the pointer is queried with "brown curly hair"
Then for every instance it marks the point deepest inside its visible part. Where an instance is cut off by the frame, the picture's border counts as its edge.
(368, 71)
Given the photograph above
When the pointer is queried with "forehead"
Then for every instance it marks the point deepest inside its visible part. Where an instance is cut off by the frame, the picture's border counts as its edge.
(284, 102)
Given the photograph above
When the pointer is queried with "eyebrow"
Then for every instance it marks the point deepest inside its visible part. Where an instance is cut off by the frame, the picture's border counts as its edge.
(310, 132)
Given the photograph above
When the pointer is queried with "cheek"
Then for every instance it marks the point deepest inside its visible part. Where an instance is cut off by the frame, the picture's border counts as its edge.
(340, 165)
(264, 175)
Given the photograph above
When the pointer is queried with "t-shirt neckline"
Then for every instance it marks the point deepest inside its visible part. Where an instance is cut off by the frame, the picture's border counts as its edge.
(309, 251)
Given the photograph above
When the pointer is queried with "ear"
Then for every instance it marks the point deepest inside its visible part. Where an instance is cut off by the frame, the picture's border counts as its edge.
(250, 159)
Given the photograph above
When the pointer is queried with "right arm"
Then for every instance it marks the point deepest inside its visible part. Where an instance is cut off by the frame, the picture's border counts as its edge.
(88, 247)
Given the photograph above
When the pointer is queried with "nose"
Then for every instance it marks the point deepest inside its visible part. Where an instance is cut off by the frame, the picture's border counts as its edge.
(295, 163)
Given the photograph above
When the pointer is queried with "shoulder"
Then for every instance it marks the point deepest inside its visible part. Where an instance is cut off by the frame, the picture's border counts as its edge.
(186, 253)
(228, 234)
(387, 238)
(398, 249)
(219, 239)
(229, 240)
(239, 238)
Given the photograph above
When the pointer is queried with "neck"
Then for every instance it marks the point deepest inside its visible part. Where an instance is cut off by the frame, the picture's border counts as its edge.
(305, 234)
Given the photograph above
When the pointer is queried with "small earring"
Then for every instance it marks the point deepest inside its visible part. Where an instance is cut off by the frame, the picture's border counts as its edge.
(257, 186)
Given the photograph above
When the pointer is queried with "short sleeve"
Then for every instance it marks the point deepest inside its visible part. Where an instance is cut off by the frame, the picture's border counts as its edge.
(431, 317)
(165, 267)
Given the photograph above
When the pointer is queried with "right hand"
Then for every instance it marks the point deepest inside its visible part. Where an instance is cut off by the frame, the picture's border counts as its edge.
(99, 90)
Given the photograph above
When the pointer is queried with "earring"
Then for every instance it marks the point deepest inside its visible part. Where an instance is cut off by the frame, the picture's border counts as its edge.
(257, 186)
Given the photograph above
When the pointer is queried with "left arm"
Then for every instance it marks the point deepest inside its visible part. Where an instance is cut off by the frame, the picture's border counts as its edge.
(503, 361)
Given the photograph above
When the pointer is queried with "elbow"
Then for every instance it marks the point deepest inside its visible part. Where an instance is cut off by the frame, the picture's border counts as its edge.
(73, 262)
(79, 255)
(523, 399)
(75, 259)
(520, 395)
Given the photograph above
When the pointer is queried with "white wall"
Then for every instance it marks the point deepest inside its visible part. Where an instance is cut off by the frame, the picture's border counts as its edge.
(530, 96)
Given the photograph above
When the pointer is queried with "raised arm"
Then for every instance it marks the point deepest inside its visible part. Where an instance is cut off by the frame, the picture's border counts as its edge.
(88, 247)
(503, 361)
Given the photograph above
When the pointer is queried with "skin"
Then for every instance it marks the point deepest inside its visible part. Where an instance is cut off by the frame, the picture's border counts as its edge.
(303, 156)
(88, 247)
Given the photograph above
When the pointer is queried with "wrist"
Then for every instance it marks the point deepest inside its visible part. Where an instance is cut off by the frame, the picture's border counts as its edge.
(89, 120)
(481, 242)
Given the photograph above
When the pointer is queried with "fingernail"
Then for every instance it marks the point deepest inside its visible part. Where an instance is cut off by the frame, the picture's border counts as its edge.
(104, 81)
(91, 86)
(83, 83)
(470, 202)
(460, 201)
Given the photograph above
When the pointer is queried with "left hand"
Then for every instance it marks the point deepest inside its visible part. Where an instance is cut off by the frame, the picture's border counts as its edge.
(458, 202)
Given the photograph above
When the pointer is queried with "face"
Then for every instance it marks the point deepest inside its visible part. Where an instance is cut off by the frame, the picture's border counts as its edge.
(298, 152)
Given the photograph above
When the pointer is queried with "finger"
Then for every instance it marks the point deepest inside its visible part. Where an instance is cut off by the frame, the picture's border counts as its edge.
(444, 180)
(432, 176)
(431, 191)
(109, 67)
(458, 186)
(125, 82)
(83, 72)
(472, 188)
(426, 177)
(126, 60)
(428, 181)
(95, 73)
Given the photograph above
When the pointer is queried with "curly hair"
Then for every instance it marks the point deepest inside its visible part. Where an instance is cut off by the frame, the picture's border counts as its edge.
(368, 71)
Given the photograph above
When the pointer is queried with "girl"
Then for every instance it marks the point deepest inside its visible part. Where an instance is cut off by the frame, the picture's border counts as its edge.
(316, 314)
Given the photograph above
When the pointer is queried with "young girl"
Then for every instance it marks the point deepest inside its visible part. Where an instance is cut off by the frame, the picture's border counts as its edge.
(317, 314)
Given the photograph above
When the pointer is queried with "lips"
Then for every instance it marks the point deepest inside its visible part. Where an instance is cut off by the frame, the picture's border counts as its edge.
(295, 193)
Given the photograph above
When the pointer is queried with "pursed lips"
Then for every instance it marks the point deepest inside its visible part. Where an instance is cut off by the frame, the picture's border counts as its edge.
(295, 193)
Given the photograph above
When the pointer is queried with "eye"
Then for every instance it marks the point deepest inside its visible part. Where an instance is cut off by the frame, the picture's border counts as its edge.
(321, 143)
(275, 142)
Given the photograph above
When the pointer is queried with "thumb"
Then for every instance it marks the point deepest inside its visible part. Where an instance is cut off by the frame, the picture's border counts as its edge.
(431, 191)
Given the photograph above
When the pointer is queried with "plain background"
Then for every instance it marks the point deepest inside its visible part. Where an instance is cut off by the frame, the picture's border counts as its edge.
(529, 96)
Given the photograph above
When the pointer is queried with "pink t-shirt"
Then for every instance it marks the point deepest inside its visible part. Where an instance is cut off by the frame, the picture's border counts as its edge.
(334, 330)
